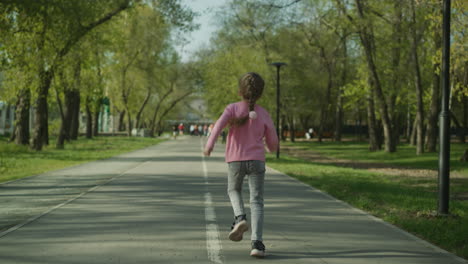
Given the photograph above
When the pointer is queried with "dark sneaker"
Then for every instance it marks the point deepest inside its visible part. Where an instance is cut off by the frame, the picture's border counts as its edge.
(238, 228)
(258, 249)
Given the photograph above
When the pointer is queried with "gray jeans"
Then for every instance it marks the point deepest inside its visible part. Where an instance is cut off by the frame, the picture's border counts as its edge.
(255, 170)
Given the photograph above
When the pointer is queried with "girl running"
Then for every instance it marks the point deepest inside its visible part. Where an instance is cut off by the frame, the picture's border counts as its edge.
(250, 126)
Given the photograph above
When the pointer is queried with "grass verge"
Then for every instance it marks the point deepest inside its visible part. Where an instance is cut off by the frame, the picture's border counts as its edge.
(403, 201)
(19, 161)
(405, 155)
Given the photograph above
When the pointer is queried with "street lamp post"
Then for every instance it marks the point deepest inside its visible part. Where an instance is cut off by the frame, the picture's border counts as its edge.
(278, 66)
(444, 117)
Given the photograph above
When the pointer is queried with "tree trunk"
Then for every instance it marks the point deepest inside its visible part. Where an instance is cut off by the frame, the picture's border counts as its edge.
(304, 119)
(292, 129)
(431, 142)
(121, 124)
(95, 130)
(89, 119)
(283, 123)
(432, 133)
(372, 123)
(418, 84)
(41, 131)
(129, 123)
(41, 122)
(339, 98)
(460, 129)
(45, 128)
(326, 104)
(153, 123)
(368, 43)
(23, 105)
(65, 112)
(396, 70)
(397, 128)
(63, 123)
(359, 125)
(414, 132)
(465, 114)
(464, 157)
(408, 122)
(464, 100)
(142, 107)
(338, 116)
(100, 101)
(173, 103)
(70, 102)
(126, 90)
(97, 110)
(75, 120)
(75, 115)
(321, 124)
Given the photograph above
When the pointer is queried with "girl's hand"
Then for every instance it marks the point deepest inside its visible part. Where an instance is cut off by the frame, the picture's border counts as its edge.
(207, 152)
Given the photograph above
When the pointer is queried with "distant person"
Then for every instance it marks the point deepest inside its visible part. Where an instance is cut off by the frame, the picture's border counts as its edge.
(223, 136)
(181, 129)
(200, 130)
(210, 128)
(245, 155)
(310, 133)
(192, 127)
(175, 131)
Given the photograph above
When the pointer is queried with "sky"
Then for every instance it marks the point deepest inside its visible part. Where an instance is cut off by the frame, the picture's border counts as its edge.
(200, 37)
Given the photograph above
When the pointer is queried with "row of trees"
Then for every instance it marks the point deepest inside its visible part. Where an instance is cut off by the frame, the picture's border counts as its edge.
(62, 57)
(364, 61)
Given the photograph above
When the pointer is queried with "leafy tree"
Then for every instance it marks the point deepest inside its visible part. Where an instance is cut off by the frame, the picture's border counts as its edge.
(46, 45)
(53, 28)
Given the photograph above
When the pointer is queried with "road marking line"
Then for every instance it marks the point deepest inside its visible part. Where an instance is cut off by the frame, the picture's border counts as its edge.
(210, 214)
(213, 244)
(34, 218)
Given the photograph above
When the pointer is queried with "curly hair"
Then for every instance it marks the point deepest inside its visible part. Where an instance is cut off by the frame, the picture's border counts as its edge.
(251, 88)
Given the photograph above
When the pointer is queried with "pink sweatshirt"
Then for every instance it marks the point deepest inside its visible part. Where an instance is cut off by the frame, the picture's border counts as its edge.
(245, 142)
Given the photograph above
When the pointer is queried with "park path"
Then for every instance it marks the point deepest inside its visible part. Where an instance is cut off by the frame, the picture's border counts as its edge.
(168, 204)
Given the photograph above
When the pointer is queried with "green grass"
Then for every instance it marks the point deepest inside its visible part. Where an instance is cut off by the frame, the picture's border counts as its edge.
(19, 161)
(401, 200)
(405, 155)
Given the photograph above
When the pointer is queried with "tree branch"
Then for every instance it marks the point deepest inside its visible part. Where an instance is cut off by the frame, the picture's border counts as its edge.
(153, 120)
(380, 15)
(283, 6)
(174, 103)
(84, 30)
(343, 9)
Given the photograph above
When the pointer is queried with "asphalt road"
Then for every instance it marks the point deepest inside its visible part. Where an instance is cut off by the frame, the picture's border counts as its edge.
(168, 204)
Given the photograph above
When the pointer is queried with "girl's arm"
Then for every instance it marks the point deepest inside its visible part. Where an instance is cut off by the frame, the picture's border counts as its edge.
(220, 124)
(271, 138)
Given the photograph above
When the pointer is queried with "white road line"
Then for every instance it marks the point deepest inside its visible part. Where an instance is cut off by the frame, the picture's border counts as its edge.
(205, 170)
(34, 218)
(213, 244)
(210, 214)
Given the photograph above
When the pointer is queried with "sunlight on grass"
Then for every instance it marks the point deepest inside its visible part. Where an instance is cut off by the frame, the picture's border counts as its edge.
(19, 161)
(401, 200)
(405, 155)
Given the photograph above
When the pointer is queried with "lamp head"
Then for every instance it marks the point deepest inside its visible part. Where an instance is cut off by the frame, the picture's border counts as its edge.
(278, 64)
